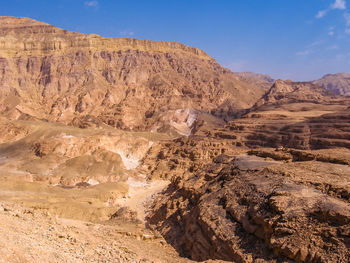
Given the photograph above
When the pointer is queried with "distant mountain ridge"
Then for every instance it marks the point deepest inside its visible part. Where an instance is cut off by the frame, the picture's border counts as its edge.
(264, 81)
(252, 75)
(337, 83)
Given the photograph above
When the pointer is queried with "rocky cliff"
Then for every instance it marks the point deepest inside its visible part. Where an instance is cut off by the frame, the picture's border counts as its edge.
(85, 80)
(25, 36)
(248, 209)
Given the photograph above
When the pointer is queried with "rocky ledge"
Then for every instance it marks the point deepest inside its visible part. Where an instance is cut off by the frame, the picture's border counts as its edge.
(248, 209)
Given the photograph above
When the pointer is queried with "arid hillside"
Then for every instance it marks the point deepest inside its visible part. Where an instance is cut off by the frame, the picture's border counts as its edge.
(270, 186)
(337, 83)
(51, 74)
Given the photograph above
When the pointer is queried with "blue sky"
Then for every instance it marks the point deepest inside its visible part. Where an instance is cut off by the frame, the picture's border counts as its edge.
(288, 39)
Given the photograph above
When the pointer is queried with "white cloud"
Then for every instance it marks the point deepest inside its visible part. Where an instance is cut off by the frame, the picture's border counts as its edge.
(331, 33)
(340, 57)
(314, 44)
(347, 22)
(339, 4)
(91, 3)
(126, 33)
(347, 18)
(334, 47)
(321, 13)
(303, 53)
(311, 48)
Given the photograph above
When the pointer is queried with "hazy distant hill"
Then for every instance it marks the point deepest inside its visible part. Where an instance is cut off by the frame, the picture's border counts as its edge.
(262, 80)
(252, 75)
(338, 83)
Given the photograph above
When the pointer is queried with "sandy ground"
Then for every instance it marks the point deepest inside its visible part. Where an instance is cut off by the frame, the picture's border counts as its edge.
(28, 235)
(141, 194)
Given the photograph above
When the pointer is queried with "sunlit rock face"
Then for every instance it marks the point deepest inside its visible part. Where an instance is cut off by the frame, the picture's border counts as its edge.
(86, 80)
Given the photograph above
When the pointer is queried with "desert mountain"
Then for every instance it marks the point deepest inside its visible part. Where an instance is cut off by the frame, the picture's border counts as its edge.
(283, 92)
(86, 80)
(262, 80)
(337, 83)
(252, 75)
(297, 115)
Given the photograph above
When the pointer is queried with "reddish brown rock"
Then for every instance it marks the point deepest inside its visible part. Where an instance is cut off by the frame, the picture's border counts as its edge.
(86, 80)
(263, 214)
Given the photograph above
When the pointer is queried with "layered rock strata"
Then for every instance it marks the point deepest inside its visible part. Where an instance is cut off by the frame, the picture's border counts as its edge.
(83, 80)
(246, 209)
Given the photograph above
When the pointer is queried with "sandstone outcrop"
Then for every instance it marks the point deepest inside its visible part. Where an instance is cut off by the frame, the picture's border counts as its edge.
(86, 80)
(248, 212)
(289, 92)
(295, 115)
(223, 204)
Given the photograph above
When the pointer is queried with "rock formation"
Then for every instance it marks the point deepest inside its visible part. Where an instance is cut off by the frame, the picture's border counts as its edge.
(86, 80)
(298, 115)
(243, 209)
(337, 83)
(228, 203)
